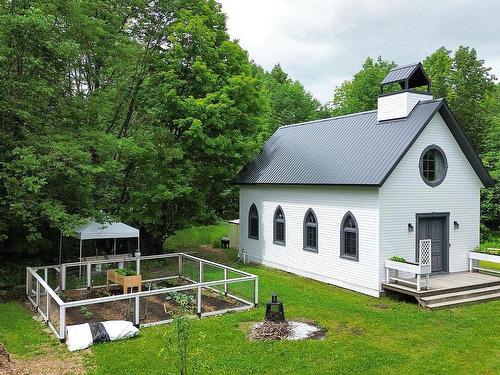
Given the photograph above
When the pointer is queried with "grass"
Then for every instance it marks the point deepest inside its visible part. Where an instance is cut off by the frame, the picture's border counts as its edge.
(19, 332)
(365, 335)
(196, 236)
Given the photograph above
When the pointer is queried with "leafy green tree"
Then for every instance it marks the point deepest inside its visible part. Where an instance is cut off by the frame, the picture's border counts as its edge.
(465, 82)
(138, 111)
(289, 102)
(438, 67)
(361, 92)
(490, 199)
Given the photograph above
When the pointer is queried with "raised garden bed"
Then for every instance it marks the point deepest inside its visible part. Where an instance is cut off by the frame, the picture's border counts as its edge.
(126, 278)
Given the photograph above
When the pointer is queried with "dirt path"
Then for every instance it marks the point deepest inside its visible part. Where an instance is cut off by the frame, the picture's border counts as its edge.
(50, 361)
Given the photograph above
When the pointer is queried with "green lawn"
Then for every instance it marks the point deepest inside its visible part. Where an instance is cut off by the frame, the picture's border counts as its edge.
(365, 335)
(195, 237)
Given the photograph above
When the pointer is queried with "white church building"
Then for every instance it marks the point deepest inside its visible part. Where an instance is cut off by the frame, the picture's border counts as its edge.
(333, 199)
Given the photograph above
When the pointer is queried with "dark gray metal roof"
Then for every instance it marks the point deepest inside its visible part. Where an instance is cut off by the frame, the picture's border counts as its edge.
(413, 75)
(348, 150)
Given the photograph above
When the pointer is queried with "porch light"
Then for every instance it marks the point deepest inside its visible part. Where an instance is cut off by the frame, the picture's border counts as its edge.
(456, 225)
(410, 227)
(274, 310)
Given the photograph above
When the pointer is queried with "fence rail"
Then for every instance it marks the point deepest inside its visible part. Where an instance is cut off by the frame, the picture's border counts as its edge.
(53, 309)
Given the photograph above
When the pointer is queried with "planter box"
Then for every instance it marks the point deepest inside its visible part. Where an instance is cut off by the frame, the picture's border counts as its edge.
(125, 281)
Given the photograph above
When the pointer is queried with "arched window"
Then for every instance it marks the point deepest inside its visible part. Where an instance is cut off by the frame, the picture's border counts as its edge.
(349, 242)
(310, 231)
(253, 222)
(279, 226)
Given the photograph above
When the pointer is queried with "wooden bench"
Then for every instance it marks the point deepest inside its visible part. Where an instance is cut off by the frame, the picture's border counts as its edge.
(133, 281)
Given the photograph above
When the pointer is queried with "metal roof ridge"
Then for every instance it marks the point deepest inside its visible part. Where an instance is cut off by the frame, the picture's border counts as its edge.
(326, 119)
(404, 66)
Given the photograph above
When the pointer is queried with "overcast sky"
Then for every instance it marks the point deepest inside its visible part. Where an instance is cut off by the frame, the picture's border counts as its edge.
(321, 43)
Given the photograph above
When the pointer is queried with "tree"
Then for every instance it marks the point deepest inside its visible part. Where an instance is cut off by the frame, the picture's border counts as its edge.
(289, 102)
(140, 112)
(361, 92)
(490, 199)
(465, 82)
(438, 67)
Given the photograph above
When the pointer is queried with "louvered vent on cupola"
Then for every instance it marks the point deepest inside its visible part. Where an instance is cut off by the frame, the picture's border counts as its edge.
(398, 104)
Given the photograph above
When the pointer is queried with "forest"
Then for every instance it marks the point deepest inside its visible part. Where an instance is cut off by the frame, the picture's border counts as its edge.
(144, 111)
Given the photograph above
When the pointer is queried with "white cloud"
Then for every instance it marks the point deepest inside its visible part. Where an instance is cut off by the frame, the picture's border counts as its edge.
(322, 42)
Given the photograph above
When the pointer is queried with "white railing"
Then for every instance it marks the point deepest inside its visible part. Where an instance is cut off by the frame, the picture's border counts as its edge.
(47, 302)
(476, 257)
(422, 268)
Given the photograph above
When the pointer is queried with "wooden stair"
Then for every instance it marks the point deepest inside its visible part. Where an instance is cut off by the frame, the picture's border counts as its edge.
(465, 296)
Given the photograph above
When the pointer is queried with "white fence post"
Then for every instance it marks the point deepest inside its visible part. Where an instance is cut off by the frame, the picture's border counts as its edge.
(201, 272)
(63, 277)
(28, 284)
(37, 294)
(48, 304)
(136, 312)
(225, 279)
(89, 275)
(198, 301)
(138, 262)
(62, 322)
(256, 292)
(179, 264)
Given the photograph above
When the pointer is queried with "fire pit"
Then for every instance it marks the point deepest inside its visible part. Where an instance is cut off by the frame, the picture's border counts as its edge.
(274, 310)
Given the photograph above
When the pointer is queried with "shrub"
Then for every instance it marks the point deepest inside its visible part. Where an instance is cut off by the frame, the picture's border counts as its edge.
(397, 258)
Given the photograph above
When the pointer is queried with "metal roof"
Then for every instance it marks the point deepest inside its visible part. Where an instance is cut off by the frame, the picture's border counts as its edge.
(412, 72)
(347, 150)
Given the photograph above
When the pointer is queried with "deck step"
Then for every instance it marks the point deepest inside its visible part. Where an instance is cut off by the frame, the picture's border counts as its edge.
(461, 294)
(463, 301)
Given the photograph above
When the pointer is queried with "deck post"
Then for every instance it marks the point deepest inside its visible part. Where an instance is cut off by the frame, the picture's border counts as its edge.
(62, 322)
(256, 292)
(46, 276)
(198, 301)
(471, 265)
(225, 279)
(418, 282)
(89, 275)
(387, 275)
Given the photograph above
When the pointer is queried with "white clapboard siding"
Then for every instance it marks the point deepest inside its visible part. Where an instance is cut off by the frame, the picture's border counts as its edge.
(404, 194)
(330, 203)
(398, 105)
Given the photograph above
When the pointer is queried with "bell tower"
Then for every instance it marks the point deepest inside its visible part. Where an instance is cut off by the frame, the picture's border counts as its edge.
(398, 104)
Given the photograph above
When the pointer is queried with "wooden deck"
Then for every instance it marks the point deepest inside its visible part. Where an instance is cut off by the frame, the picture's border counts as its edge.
(447, 283)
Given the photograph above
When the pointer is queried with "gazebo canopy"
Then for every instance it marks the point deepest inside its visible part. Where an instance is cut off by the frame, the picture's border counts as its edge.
(95, 231)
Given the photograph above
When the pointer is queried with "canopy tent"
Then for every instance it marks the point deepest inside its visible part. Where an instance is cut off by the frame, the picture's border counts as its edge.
(98, 231)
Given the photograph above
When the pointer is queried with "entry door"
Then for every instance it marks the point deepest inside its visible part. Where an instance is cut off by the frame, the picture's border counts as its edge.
(435, 228)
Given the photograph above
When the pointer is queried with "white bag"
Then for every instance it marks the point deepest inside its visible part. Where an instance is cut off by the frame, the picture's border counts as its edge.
(79, 336)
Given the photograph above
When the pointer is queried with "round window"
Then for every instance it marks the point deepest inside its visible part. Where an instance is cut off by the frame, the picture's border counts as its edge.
(433, 165)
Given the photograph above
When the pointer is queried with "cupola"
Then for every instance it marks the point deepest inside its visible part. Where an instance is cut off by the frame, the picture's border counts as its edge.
(398, 104)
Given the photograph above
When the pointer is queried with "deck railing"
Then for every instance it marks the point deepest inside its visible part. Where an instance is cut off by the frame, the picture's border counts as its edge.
(42, 291)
